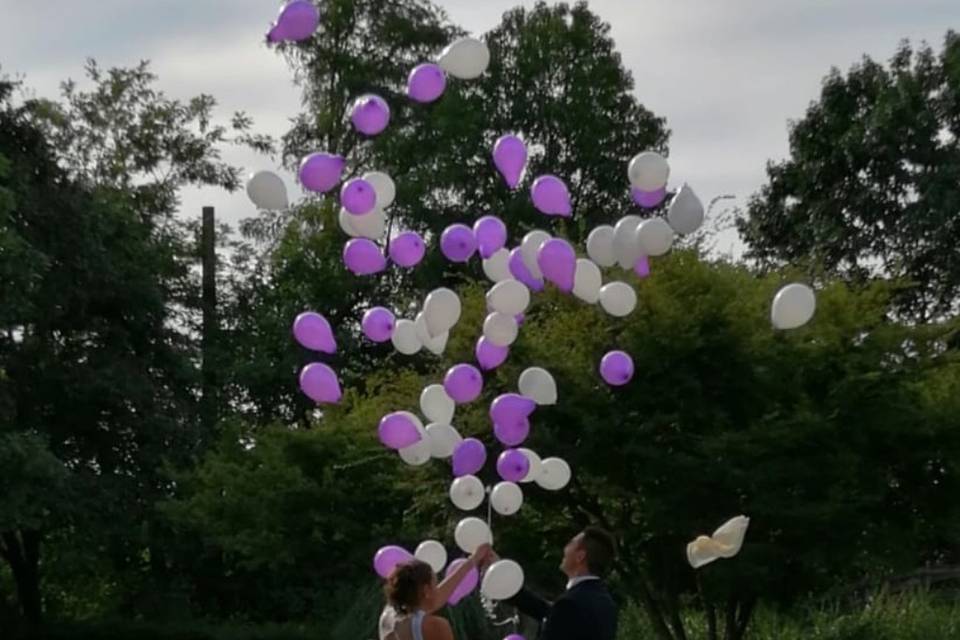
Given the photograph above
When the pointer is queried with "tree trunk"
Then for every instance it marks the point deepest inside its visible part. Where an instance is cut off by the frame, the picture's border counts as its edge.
(737, 617)
(708, 608)
(654, 612)
(23, 555)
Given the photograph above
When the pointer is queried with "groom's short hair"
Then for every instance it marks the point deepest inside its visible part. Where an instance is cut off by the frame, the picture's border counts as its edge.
(601, 550)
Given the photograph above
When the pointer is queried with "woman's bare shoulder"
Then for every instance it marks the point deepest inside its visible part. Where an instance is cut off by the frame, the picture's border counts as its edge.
(436, 628)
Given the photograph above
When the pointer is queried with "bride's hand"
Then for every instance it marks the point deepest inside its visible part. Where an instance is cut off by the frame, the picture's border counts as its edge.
(481, 555)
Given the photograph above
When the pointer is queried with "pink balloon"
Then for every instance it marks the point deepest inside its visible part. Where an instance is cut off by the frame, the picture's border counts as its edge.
(321, 172)
(467, 585)
(648, 199)
(358, 197)
(513, 432)
(457, 243)
(463, 383)
(370, 115)
(469, 457)
(319, 383)
(407, 249)
(616, 368)
(642, 266)
(426, 83)
(513, 465)
(387, 559)
(397, 431)
(489, 355)
(491, 235)
(511, 406)
(314, 332)
(558, 262)
(378, 324)
(551, 196)
(297, 21)
(510, 158)
(363, 257)
(514, 636)
(518, 269)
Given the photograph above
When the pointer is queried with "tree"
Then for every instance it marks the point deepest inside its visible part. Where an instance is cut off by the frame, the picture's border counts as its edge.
(870, 189)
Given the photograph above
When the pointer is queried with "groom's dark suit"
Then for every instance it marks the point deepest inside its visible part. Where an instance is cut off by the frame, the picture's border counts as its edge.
(585, 612)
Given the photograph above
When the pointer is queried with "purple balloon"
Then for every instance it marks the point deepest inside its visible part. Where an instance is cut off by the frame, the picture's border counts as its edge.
(648, 199)
(467, 585)
(519, 270)
(426, 83)
(642, 267)
(407, 249)
(469, 457)
(513, 432)
(321, 172)
(617, 368)
(319, 383)
(378, 324)
(551, 196)
(314, 332)
(457, 243)
(463, 383)
(297, 21)
(397, 431)
(514, 636)
(521, 318)
(513, 465)
(510, 157)
(491, 235)
(358, 197)
(387, 559)
(558, 262)
(370, 114)
(511, 406)
(363, 257)
(489, 355)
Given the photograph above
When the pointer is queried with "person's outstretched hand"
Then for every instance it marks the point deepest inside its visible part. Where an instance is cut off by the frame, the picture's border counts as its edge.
(480, 556)
(490, 558)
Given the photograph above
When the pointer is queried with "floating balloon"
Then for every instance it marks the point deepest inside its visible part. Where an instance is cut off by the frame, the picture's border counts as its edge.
(600, 246)
(519, 270)
(649, 171)
(558, 263)
(363, 257)
(512, 465)
(512, 431)
(510, 296)
(489, 355)
(399, 430)
(685, 213)
(418, 454)
(358, 197)
(587, 281)
(648, 199)
(370, 226)
(497, 266)
(407, 249)
(642, 267)
(434, 344)
(321, 172)
(314, 332)
(514, 636)
(506, 498)
(511, 406)
(467, 493)
(725, 542)
(463, 383)
(442, 310)
(378, 324)
(616, 368)
(370, 114)
(551, 196)
(457, 243)
(387, 559)
(503, 580)
(384, 186)
(654, 237)
(436, 405)
(444, 440)
(500, 329)
(298, 20)
(490, 234)
(319, 383)
(469, 457)
(510, 158)
(537, 384)
(467, 585)
(626, 248)
(426, 83)
(471, 533)
(793, 306)
(267, 191)
(554, 474)
(466, 58)
(618, 299)
(530, 248)
(535, 465)
(405, 338)
(345, 221)
(433, 553)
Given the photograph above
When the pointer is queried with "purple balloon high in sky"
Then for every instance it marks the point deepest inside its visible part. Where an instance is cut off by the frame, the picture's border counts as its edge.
(313, 331)
(370, 115)
(513, 465)
(297, 21)
(426, 83)
(463, 383)
(458, 243)
(616, 368)
(558, 263)
(519, 270)
(551, 196)
(398, 431)
(469, 457)
(358, 197)
(378, 324)
(363, 257)
(513, 432)
(491, 235)
(510, 158)
(319, 382)
(511, 406)
(321, 172)
(407, 249)
(489, 355)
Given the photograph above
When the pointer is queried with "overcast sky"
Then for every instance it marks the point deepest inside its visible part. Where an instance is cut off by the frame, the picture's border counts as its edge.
(727, 74)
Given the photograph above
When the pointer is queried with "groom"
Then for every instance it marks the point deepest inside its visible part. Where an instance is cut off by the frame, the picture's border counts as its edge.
(585, 611)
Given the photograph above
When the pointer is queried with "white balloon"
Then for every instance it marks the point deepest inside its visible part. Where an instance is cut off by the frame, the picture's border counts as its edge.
(730, 536)
(443, 440)
(539, 385)
(343, 218)
(506, 498)
(417, 454)
(685, 213)
(554, 474)
(467, 493)
(510, 296)
(793, 306)
(436, 405)
(587, 281)
(471, 533)
(501, 329)
(529, 249)
(442, 311)
(267, 191)
(536, 465)
(405, 338)
(600, 246)
(497, 266)
(435, 345)
(649, 171)
(625, 247)
(433, 553)
(466, 58)
(383, 186)
(654, 237)
(371, 225)
(618, 299)
(503, 580)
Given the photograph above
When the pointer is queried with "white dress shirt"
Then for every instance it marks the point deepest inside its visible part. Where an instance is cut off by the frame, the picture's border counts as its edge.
(575, 581)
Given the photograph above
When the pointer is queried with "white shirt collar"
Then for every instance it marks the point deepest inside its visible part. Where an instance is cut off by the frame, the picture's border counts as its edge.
(575, 581)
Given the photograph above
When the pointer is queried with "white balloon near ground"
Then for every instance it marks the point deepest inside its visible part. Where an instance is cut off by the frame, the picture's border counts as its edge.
(471, 533)
(267, 191)
(529, 249)
(466, 58)
(510, 296)
(793, 306)
(685, 213)
(405, 338)
(436, 405)
(372, 225)
(618, 299)
(587, 281)
(625, 247)
(467, 493)
(418, 454)
(441, 311)
(536, 465)
(503, 580)
(497, 266)
(654, 237)
(648, 171)
(384, 186)
(433, 553)
(501, 329)
(554, 475)
(443, 440)
(506, 498)
(538, 384)
(434, 344)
